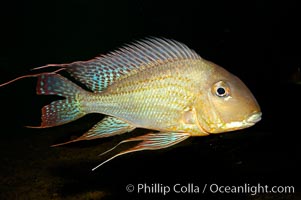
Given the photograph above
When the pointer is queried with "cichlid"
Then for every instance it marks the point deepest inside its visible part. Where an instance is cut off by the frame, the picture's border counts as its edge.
(156, 84)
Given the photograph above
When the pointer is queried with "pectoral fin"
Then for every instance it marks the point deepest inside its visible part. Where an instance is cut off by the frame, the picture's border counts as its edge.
(108, 126)
(151, 141)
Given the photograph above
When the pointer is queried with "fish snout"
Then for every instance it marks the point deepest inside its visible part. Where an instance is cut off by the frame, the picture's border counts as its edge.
(254, 118)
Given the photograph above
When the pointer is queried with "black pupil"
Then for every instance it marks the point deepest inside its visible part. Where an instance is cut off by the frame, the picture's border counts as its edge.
(221, 91)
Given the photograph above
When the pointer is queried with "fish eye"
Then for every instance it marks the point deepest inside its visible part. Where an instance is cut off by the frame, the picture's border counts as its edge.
(221, 89)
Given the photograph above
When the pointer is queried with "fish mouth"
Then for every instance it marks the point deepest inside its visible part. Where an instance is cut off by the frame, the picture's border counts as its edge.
(236, 125)
(254, 118)
(251, 120)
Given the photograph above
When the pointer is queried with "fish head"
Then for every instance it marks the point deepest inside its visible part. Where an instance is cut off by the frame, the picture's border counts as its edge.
(226, 104)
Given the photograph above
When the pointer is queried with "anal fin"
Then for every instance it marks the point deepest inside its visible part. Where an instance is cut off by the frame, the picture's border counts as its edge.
(107, 127)
(150, 141)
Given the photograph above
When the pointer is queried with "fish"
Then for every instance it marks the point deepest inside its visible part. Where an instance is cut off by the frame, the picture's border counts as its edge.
(157, 84)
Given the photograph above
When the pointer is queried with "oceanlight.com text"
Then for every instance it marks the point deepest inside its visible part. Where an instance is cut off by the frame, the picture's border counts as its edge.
(250, 189)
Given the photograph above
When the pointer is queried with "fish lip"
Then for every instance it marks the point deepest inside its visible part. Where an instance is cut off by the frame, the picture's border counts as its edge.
(254, 118)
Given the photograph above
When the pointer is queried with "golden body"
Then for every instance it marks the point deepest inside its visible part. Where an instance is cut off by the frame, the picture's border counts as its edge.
(158, 98)
(155, 84)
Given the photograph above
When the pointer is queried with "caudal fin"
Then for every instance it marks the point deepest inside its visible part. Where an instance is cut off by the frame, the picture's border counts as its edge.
(60, 111)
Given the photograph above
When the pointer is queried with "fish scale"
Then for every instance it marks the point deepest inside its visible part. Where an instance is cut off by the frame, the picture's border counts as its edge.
(157, 84)
(165, 91)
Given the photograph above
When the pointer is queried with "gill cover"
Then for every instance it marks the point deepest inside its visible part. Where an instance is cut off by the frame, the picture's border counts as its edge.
(228, 104)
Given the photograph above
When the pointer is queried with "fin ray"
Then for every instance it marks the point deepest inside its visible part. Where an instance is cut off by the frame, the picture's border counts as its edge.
(29, 76)
(107, 127)
(61, 111)
(151, 141)
(99, 73)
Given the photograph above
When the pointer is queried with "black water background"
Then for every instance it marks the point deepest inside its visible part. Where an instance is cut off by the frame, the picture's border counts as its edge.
(259, 41)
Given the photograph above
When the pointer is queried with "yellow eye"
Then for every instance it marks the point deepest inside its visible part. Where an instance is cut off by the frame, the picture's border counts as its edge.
(221, 89)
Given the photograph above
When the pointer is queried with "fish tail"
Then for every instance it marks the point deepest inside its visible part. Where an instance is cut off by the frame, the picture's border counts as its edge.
(61, 111)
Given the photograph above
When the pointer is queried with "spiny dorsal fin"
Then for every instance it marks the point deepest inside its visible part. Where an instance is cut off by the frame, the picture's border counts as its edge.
(98, 73)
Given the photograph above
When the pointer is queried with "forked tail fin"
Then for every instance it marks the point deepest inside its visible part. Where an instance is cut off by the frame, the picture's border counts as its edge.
(60, 111)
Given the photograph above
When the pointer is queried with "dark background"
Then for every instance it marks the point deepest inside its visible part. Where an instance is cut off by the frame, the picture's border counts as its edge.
(259, 41)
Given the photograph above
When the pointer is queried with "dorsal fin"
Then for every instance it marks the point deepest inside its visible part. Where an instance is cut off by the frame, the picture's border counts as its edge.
(98, 73)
